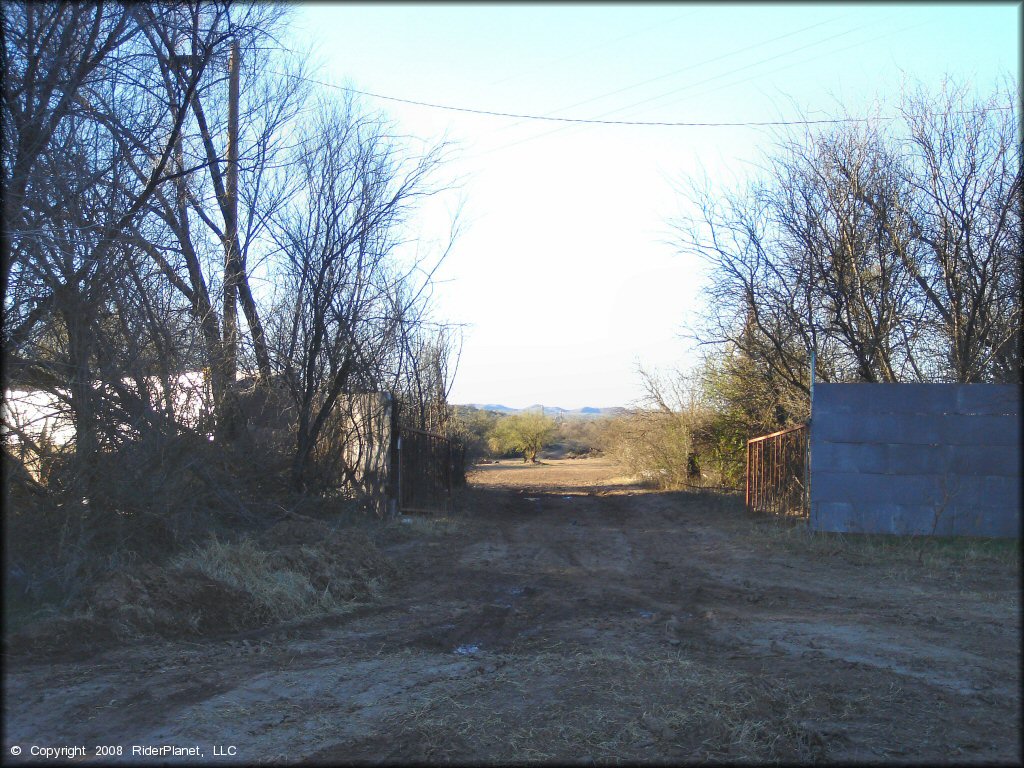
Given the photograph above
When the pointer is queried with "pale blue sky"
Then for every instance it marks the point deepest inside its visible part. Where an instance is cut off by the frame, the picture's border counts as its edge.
(563, 273)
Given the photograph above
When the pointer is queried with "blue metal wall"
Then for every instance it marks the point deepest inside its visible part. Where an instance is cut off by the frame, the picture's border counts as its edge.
(940, 459)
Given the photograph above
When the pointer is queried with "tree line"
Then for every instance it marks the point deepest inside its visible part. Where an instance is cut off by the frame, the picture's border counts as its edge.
(887, 249)
(178, 198)
(884, 248)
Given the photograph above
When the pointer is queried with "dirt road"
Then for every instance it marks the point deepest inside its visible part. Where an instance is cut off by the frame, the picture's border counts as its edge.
(564, 614)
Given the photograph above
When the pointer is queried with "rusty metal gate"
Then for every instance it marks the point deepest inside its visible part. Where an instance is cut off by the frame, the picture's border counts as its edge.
(425, 471)
(777, 473)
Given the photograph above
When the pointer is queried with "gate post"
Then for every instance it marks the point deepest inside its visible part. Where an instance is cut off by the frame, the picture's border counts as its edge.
(746, 500)
(398, 474)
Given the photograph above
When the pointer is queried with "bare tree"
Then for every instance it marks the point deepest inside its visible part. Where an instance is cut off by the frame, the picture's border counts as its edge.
(759, 302)
(221, 205)
(350, 307)
(124, 254)
(51, 53)
(89, 146)
(964, 167)
(890, 248)
(857, 286)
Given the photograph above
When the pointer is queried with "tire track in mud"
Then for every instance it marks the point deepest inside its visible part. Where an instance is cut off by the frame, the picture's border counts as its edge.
(503, 614)
(843, 628)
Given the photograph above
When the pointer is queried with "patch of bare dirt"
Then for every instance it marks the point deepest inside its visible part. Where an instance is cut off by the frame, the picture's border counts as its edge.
(562, 613)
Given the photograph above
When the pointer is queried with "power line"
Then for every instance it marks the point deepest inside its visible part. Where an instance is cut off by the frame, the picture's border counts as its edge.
(707, 80)
(758, 63)
(595, 121)
(579, 120)
(587, 121)
(782, 68)
(745, 80)
(696, 65)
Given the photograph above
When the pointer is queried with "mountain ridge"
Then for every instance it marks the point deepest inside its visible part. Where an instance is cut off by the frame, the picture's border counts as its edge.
(550, 410)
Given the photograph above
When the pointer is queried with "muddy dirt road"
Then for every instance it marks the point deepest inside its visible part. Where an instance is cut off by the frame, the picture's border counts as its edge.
(564, 614)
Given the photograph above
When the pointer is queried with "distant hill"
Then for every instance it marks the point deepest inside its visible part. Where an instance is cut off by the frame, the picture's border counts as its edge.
(491, 407)
(550, 410)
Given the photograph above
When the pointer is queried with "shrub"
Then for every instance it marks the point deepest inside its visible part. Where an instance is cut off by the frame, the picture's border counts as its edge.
(525, 433)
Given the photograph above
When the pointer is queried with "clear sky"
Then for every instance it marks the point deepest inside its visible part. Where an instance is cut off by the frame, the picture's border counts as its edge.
(564, 275)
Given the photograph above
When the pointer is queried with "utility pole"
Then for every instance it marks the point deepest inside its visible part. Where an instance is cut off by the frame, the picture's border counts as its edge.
(807, 453)
(229, 417)
(231, 256)
(814, 364)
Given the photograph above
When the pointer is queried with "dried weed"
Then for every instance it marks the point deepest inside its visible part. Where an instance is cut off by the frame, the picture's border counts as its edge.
(878, 549)
(298, 569)
(584, 704)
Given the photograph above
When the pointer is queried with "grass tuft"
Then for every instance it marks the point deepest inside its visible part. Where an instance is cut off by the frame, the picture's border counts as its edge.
(277, 593)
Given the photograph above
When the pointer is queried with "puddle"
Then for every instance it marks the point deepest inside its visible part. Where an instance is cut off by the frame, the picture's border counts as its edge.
(515, 591)
(467, 650)
(646, 615)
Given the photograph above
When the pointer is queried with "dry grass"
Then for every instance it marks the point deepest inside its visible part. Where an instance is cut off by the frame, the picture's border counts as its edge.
(578, 703)
(277, 593)
(552, 475)
(297, 569)
(929, 551)
(138, 505)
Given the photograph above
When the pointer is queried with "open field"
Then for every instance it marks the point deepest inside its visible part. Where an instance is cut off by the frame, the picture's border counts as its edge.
(563, 613)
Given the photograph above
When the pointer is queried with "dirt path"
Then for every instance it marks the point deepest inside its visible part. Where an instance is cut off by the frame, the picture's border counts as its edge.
(565, 614)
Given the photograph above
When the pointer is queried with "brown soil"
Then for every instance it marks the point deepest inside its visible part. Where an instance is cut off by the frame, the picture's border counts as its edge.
(565, 614)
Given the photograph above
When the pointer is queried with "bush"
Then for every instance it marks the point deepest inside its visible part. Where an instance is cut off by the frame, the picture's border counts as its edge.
(471, 428)
(299, 568)
(652, 445)
(145, 502)
(578, 436)
(525, 433)
(686, 437)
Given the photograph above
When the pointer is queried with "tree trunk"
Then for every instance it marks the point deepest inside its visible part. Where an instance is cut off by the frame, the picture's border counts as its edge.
(82, 396)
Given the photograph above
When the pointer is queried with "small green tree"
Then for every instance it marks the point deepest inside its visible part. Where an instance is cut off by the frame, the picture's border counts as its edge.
(522, 432)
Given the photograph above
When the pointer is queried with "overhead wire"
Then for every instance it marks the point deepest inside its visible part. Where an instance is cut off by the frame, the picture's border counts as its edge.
(573, 120)
(741, 69)
(600, 119)
(790, 66)
(780, 123)
(691, 66)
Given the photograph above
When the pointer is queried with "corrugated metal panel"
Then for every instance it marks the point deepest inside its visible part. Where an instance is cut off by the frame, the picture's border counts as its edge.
(939, 459)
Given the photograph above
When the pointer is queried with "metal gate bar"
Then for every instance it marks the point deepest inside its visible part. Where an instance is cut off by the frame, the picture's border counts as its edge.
(776, 476)
(425, 472)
